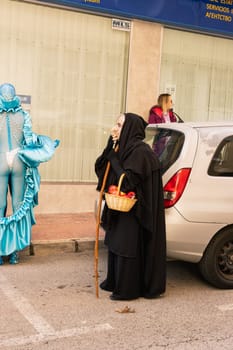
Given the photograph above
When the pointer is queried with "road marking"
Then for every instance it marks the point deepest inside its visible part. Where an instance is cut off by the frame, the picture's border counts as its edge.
(37, 338)
(26, 309)
(225, 307)
(45, 331)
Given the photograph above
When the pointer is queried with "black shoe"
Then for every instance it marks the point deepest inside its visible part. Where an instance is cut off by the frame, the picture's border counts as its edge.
(117, 297)
(155, 296)
(104, 286)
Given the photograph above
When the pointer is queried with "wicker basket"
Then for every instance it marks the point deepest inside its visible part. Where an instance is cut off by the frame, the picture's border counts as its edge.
(117, 202)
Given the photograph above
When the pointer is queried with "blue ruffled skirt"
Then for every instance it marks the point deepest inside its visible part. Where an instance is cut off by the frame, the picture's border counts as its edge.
(15, 230)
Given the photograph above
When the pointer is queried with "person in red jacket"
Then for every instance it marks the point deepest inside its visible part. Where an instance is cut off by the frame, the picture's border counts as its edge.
(162, 112)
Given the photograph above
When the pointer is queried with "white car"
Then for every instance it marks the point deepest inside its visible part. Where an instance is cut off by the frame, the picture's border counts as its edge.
(197, 167)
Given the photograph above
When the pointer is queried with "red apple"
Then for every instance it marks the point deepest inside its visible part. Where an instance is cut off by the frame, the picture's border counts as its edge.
(131, 194)
(112, 189)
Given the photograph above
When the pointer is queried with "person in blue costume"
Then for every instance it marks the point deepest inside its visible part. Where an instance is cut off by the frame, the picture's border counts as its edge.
(21, 152)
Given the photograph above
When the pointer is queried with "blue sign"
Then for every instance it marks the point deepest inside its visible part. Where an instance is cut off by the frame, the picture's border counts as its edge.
(213, 16)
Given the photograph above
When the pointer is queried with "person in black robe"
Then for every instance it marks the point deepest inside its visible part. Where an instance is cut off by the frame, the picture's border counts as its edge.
(136, 240)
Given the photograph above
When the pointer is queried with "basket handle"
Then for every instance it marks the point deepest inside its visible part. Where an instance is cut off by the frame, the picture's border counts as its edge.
(119, 183)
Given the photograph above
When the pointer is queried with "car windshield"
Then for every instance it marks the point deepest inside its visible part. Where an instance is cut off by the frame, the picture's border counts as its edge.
(166, 143)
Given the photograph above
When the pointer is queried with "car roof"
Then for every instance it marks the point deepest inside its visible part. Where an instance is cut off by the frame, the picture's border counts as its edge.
(194, 125)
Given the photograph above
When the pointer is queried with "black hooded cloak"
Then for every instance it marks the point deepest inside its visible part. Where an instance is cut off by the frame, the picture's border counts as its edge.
(136, 239)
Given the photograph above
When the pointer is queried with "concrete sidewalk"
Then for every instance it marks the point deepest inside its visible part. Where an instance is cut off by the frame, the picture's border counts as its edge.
(74, 232)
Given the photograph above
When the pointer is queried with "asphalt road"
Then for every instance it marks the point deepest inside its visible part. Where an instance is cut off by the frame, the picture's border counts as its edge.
(48, 302)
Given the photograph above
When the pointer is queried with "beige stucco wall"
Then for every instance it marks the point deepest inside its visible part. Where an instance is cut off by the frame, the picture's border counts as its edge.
(144, 67)
(142, 91)
(66, 198)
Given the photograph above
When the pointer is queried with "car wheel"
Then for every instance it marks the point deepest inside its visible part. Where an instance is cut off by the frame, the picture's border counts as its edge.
(216, 265)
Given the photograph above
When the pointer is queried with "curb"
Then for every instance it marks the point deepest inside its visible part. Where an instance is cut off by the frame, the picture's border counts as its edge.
(43, 247)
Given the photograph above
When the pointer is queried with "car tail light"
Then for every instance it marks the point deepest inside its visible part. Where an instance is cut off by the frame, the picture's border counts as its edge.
(175, 186)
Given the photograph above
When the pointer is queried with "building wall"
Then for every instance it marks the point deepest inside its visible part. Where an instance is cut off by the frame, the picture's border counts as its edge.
(142, 90)
(66, 198)
(144, 67)
(48, 61)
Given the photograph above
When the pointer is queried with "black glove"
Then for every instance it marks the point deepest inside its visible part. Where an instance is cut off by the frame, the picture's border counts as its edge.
(109, 145)
(111, 154)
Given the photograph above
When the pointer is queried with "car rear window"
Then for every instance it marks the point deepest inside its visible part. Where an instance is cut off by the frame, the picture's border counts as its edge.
(222, 161)
(166, 143)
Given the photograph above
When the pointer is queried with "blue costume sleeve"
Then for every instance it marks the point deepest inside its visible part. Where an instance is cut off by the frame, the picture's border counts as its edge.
(27, 128)
(39, 151)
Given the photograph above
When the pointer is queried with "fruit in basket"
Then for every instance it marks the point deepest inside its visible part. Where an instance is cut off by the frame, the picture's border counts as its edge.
(131, 195)
(112, 189)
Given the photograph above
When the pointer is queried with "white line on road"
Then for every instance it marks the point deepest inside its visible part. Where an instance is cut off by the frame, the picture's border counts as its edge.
(26, 309)
(45, 331)
(225, 307)
(37, 338)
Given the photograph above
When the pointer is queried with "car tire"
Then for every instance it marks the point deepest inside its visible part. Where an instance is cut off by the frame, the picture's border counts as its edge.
(216, 265)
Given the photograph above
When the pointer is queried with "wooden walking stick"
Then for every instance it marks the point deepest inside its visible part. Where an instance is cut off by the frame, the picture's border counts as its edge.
(98, 225)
